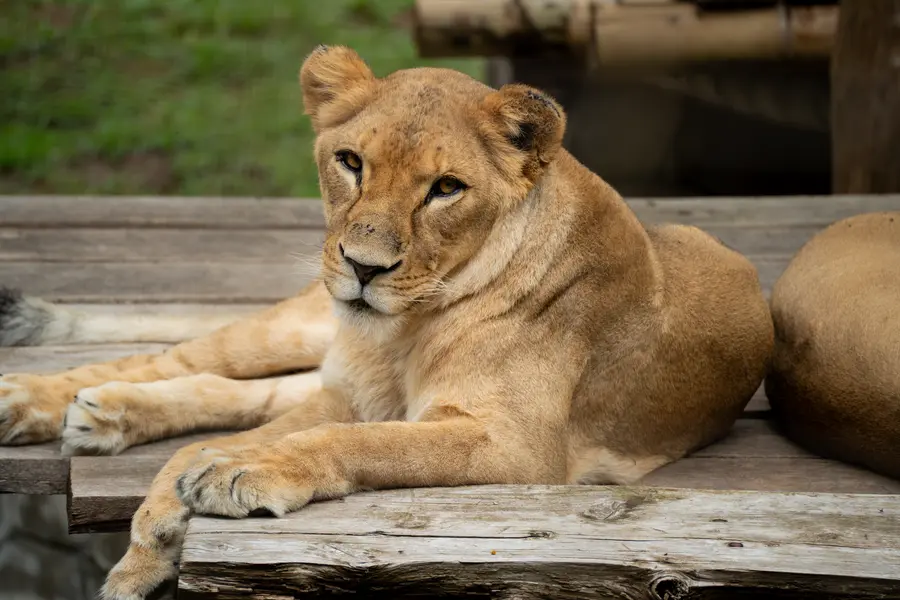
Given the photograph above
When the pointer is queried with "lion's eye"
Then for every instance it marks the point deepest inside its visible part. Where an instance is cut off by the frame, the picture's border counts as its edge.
(446, 187)
(350, 160)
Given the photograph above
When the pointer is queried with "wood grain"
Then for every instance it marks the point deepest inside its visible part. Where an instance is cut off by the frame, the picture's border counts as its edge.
(149, 282)
(51, 359)
(554, 542)
(289, 213)
(194, 282)
(261, 246)
(159, 211)
(104, 491)
(185, 309)
(753, 457)
(39, 469)
(276, 246)
(865, 84)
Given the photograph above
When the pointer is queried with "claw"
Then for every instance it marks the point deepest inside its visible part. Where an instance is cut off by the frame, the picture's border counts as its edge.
(234, 480)
(80, 400)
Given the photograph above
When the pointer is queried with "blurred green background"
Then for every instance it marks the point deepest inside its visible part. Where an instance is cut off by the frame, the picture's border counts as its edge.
(193, 97)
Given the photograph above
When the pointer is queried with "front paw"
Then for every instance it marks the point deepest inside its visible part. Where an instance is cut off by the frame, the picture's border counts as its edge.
(31, 409)
(98, 421)
(254, 478)
(157, 532)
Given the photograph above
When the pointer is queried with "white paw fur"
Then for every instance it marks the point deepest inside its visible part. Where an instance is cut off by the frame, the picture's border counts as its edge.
(12, 397)
(90, 428)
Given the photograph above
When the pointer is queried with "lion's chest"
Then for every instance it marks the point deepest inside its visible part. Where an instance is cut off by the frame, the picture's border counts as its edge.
(380, 381)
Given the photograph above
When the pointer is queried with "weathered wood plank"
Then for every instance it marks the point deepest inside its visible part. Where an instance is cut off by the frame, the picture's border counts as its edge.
(147, 282)
(275, 246)
(754, 457)
(630, 34)
(753, 438)
(81, 245)
(287, 213)
(104, 491)
(758, 406)
(195, 282)
(865, 94)
(169, 309)
(108, 489)
(159, 211)
(810, 211)
(51, 359)
(554, 542)
(39, 469)
(801, 474)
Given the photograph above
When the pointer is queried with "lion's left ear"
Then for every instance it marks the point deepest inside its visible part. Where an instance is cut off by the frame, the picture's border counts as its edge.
(336, 85)
(531, 123)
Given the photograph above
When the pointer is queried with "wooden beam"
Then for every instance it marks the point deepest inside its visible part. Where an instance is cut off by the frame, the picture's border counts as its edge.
(160, 211)
(197, 282)
(630, 33)
(38, 469)
(104, 212)
(127, 245)
(52, 359)
(104, 492)
(554, 542)
(274, 246)
(865, 105)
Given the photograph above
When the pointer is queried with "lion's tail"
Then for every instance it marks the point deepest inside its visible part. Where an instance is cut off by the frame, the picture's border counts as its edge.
(30, 321)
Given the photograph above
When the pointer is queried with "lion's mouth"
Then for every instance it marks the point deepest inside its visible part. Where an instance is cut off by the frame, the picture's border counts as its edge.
(360, 305)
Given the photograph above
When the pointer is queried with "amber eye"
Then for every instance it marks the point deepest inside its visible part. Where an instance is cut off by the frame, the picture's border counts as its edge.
(350, 160)
(445, 187)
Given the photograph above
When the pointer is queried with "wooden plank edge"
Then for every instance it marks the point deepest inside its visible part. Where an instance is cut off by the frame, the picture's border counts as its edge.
(599, 542)
(33, 470)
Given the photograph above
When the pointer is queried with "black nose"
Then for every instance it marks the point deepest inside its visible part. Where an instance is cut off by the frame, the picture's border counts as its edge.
(366, 273)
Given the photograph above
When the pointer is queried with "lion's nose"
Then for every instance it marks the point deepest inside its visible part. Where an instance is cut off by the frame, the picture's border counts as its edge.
(366, 273)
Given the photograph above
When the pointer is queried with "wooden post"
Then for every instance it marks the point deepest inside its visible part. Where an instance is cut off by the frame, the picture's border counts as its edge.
(865, 98)
(628, 33)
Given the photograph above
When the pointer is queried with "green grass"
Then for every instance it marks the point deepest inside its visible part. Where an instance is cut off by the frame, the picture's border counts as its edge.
(194, 97)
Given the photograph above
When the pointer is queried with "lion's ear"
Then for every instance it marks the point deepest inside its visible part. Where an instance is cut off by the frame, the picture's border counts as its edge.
(530, 122)
(336, 85)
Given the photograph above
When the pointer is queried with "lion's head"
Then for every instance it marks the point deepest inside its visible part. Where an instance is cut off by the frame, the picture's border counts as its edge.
(415, 170)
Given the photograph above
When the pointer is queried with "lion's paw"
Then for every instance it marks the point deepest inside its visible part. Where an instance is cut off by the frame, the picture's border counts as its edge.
(157, 533)
(26, 417)
(99, 420)
(139, 573)
(234, 484)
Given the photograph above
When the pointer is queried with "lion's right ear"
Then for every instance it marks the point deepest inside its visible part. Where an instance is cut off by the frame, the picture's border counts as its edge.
(336, 84)
(530, 123)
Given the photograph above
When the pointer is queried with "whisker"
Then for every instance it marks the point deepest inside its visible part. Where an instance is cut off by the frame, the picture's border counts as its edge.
(308, 264)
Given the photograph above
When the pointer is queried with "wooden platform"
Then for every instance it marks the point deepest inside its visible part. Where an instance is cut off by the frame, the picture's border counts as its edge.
(234, 255)
(566, 542)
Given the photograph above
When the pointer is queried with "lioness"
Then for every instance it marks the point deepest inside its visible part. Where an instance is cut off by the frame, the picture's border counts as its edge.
(835, 378)
(490, 312)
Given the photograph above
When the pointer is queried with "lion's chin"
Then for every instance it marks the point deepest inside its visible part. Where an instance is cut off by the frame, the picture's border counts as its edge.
(369, 320)
(361, 306)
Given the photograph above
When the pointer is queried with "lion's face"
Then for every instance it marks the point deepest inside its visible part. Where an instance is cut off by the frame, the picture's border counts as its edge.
(415, 171)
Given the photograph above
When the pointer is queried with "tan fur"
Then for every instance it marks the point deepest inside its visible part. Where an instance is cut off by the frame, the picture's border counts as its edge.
(291, 335)
(527, 329)
(835, 381)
